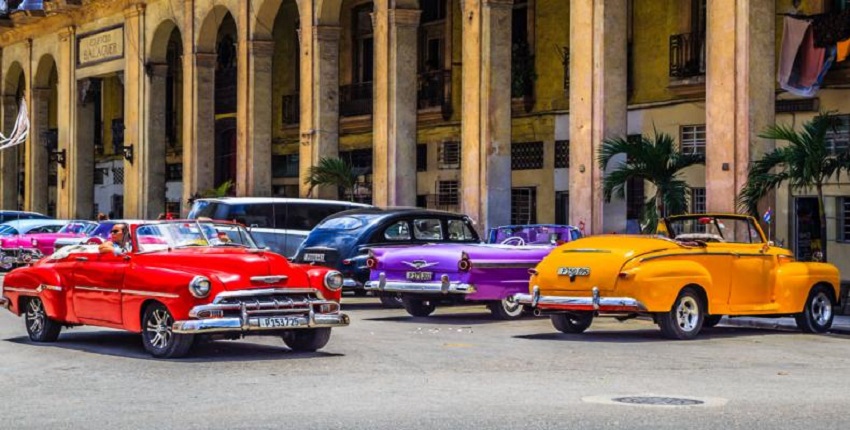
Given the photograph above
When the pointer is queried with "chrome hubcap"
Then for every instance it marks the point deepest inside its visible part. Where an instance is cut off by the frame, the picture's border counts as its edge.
(687, 314)
(511, 307)
(35, 316)
(159, 328)
(821, 309)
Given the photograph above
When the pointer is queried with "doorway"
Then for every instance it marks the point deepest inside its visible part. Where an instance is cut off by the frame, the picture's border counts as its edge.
(807, 228)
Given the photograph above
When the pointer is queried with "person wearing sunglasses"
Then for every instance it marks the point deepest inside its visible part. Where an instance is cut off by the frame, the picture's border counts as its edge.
(119, 240)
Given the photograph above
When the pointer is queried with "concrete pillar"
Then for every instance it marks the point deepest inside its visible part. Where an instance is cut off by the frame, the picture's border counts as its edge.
(486, 118)
(80, 157)
(319, 123)
(394, 136)
(66, 113)
(199, 145)
(254, 117)
(739, 94)
(36, 192)
(597, 107)
(9, 157)
(154, 155)
(136, 174)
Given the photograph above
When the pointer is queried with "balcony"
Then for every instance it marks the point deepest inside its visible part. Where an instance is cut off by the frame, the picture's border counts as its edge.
(435, 91)
(291, 108)
(355, 99)
(687, 63)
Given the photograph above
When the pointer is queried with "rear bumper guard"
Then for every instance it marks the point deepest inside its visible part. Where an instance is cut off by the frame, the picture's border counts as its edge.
(570, 303)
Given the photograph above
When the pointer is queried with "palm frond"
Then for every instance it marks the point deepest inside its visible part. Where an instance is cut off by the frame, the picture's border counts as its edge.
(331, 171)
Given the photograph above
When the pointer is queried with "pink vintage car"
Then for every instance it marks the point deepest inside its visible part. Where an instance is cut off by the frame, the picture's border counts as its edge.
(22, 242)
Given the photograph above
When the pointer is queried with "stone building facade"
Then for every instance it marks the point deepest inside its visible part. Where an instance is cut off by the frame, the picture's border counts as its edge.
(494, 108)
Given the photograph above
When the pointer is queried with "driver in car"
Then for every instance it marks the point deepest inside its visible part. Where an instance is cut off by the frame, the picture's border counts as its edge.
(119, 241)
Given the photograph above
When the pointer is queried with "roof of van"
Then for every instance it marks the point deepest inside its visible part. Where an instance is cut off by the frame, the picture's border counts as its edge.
(258, 200)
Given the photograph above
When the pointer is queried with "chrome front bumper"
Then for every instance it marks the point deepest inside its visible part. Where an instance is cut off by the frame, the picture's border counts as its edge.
(567, 303)
(351, 283)
(443, 287)
(12, 256)
(251, 325)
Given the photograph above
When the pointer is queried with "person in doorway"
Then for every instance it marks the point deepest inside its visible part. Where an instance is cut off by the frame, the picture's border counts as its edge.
(119, 240)
(102, 217)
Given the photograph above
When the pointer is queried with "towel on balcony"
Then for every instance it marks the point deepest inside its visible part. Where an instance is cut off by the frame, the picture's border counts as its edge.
(810, 60)
(792, 37)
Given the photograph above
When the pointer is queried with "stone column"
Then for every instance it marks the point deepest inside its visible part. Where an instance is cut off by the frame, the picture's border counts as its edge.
(199, 145)
(486, 118)
(597, 107)
(36, 197)
(9, 158)
(80, 156)
(394, 135)
(136, 174)
(254, 125)
(66, 119)
(739, 94)
(319, 99)
(154, 155)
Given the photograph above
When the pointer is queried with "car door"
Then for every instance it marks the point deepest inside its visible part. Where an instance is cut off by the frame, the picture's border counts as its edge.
(753, 278)
(97, 283)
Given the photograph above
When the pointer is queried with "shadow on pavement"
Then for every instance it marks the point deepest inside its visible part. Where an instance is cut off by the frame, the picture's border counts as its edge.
(129, 345)
(453, 319)
(650, 335)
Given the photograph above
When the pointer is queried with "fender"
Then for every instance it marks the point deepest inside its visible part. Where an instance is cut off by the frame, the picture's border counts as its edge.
(657, 283)
(795, 280)
(43, 283)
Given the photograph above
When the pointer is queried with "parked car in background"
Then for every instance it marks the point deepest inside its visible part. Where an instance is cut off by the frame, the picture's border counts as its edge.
(280, 224)
(457, 273)
(180, 280)
(19, 215)
(342, 240)
(37, 243)
(15, 245)
(703, 267)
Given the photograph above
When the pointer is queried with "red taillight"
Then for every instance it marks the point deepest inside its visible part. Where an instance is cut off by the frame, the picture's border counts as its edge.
(371, 262)
(34, 242)
(346, 262)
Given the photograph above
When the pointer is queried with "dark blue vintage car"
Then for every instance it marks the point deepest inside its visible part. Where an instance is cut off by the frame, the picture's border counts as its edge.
(342, 240)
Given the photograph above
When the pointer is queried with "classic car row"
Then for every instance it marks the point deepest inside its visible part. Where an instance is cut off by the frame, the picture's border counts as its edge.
(176, 281)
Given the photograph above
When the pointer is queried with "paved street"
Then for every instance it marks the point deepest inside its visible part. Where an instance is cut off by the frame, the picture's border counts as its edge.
(458, 369)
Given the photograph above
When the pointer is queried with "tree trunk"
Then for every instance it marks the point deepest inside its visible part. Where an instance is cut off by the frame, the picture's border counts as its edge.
(659, 203)
(822, 216)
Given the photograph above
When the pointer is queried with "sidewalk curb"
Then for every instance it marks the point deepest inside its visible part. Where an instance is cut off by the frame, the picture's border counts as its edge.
(840, 325)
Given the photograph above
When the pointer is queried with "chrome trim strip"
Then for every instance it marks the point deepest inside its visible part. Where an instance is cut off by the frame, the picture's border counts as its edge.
(350, 283)
(442, 287)
(249, 325)
(567, 303)
(20, 290)
(600, 251)
(712, 253)
(269, 279)
(264, 291)
(511, 265)
(98, 289)
(150, 294)
(50, 287)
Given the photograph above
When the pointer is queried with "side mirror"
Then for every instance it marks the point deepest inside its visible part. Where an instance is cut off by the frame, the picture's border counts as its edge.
(817, 256)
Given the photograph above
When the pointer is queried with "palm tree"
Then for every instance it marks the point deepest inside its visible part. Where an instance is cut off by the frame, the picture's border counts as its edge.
(656, 159)
(332, 171)
(804, 162)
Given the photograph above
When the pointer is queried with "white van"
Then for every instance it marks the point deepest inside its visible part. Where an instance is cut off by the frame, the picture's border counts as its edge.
(278, 223)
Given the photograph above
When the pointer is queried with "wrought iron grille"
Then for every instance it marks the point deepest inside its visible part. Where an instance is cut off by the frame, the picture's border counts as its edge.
(355, 99)
(449, 156)
(447, 193)
(524, 205)
(562, 154)
(687, 55)
(527, 156)
(291, 109)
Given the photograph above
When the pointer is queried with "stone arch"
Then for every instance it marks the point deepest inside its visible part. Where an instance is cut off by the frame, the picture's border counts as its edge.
(45, 67)
(263, 18)
(328, 11)
(158, 48)
(14, 78)
(208, 34)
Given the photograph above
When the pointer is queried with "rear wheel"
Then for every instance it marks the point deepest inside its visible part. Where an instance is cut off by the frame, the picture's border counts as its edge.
(574, 323)
(685, 319)
(40, 327)
(307, 340)
(418, 307)
(391, 300)
(158, 338)
(818, 313)
(505, 309)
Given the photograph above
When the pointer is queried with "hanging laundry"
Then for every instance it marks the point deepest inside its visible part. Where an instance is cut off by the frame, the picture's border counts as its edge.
(831, 28)
(810, 60)
(843, 50)
(792, 37)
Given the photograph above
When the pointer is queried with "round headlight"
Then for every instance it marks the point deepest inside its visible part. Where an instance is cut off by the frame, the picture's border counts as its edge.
(333, 280)
(200, 287)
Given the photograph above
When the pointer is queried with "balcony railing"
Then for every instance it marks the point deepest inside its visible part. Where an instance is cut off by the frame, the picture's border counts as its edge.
(355, 99)
(687, 55)
(434, 89)
(291, 109)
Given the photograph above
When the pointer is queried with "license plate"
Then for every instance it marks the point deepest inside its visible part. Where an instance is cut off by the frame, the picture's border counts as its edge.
(420, 276)
(315, 258)
(279, 322)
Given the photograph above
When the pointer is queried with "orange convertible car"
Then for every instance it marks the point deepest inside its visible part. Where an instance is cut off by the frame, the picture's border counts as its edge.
(700, 268)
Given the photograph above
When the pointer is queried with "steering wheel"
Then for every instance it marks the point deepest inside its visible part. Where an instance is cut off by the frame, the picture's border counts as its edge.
(514, 240)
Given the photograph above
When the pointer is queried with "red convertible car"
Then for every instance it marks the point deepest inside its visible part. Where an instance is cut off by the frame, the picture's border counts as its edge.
(177, 281)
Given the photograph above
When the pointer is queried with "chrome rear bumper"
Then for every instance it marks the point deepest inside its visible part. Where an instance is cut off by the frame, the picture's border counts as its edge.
(568, 303)
(251, 325)
(443, 287)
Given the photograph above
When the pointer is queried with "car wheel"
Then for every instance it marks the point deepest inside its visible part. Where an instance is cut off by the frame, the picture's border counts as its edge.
(506, 309)
(685, 319)
(307, 340)
(711, 320)
(40, 327)
(418, 307)
(391, 300)
(818, 313)
(158, 338)
(576, 322)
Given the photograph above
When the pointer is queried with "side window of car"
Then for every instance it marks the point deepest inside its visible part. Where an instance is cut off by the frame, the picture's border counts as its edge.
(459, 231)
(305, 216)
(252, 215)
(427, 229)
(397, 231)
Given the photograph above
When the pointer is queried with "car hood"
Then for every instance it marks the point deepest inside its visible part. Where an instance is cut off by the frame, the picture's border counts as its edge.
(603, 256)
(445, 257)
(233, 267)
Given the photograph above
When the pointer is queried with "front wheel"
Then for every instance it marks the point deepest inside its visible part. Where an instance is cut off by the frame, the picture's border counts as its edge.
(685, 319)
(307, 340)
(158, 338)
(505, 309)
(40, 327)
(818, 313)
(391, 300)
(573, 323)
(418, 307)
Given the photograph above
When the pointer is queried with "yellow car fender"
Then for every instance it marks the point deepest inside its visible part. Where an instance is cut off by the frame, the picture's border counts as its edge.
(657, 283)
(795, 280)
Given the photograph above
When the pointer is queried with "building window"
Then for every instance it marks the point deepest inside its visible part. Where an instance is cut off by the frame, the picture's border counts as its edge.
(522, 52)
(562, 207)
(449, 156)
(524, 205)
(693, 139)
(421, 158)
(527, 156)
(447, 193)
(843, 219)
(118, 175)
(98, 175)
(174, 172)
(363, 43)
(562, 154)
(285, 166)
(698, 200)
(838, 136)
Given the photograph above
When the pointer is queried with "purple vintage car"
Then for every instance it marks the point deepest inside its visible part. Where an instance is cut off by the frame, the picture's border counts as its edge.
(446, 274)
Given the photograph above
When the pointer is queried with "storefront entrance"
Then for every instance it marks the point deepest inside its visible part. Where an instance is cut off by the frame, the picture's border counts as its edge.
(807, 228)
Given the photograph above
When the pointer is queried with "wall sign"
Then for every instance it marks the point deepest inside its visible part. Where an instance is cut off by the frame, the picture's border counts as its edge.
(100, 46)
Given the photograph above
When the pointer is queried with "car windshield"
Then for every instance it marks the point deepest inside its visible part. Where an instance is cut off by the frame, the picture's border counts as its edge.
(341, 223)
(532, 234)
(156, 237)
(7, 230)
(713, 229)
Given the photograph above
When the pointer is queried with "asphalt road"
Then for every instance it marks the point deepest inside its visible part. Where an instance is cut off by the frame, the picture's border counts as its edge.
(455, 370)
